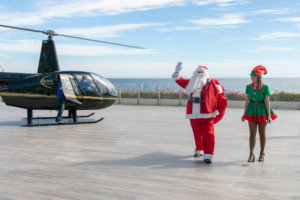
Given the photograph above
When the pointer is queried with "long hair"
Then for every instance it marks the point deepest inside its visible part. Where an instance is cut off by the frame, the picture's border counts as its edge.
(261, 83)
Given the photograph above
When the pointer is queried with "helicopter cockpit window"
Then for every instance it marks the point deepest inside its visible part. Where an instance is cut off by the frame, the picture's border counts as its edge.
(87, 85)
(106, 87)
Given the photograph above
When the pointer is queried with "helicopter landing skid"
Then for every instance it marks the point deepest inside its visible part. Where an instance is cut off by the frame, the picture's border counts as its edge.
(65, 123)
(64, 117)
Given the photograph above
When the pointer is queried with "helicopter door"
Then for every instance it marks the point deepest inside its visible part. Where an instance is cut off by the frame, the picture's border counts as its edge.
(70, 88)
(88, 88)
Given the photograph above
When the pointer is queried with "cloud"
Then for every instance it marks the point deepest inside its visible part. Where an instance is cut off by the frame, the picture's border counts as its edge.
(109, 69)
(220, 3)
(28, 46)
(277, 35)
(3, 56)
(66, 9)
(290, 19)
(157, 69)
(180, 28)
(242, 68)
(46, 10)
(105, 31)
(23, 66)
(123, 68)
(33, 46)
(268, 48)
(84, 50)
(114, 7)
(269, 11)
(229, 19)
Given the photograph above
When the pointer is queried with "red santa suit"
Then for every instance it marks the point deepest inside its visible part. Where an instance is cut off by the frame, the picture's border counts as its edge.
(206, 106)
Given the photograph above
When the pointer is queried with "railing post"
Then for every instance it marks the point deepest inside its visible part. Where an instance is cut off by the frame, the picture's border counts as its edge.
(158, 97)
(119, 96)
(180, 97)
(139, 97)
(276, 99)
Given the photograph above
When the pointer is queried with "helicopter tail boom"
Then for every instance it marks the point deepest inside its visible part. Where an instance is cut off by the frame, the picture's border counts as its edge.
(6, 77)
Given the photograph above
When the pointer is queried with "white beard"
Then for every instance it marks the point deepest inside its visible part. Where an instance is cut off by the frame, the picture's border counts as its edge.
(197, 82)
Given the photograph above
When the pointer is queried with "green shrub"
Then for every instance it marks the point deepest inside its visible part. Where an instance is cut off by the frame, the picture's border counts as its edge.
(285, 96)
(231, 95)
(148, 95)
(129, 94)
(169, 95)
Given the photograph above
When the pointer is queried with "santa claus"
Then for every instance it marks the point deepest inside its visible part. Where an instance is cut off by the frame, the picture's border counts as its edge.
(206, 106)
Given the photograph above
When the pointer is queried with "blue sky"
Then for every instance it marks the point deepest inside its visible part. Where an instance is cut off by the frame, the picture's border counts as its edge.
(230, 37)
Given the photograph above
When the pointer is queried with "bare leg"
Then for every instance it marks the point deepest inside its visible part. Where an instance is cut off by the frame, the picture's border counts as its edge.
(252, 138)
(262, 137)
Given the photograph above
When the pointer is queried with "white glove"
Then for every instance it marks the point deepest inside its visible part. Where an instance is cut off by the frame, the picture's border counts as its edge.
(178, 67)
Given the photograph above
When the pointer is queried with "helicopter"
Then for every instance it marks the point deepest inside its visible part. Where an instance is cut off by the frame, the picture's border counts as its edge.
(37, 91)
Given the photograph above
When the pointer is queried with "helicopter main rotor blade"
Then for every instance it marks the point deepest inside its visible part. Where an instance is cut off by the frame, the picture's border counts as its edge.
(112, 43)
(52, 33)
(23, 29)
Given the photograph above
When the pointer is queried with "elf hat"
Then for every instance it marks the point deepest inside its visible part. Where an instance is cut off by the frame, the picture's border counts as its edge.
(257, 71)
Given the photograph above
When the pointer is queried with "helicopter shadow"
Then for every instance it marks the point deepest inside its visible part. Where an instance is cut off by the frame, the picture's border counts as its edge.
(13, 123)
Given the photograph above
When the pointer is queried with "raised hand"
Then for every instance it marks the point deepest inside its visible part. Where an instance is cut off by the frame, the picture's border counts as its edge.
(178, 67)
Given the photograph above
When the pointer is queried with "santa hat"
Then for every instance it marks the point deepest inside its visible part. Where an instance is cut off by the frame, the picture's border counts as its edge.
(257, 71)
(203, 67)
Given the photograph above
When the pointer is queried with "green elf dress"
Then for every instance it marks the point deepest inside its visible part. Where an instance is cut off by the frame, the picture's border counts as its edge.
(256, 110)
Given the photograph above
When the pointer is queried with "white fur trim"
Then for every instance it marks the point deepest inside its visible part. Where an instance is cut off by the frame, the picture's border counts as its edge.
(201, 152)
(175, 76)
(220, 89)
(202, 115)
(197, 94)
(207, 156)
(196, 114)
(200, 69)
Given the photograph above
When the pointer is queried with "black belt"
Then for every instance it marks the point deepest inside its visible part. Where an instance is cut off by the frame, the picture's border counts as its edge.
(195, 100)
(257, 102)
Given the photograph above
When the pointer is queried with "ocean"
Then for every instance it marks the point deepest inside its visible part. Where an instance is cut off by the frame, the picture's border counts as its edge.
(230, 84)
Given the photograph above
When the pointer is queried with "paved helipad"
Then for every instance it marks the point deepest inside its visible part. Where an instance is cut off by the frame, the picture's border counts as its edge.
(144, 152)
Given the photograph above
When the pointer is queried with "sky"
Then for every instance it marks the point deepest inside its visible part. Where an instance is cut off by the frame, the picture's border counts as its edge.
(230, 37)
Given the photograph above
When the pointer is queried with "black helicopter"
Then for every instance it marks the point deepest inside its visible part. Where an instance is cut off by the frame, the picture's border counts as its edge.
(38, 91)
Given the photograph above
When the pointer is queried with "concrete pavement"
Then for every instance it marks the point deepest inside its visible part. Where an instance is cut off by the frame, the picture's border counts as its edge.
(145, 152)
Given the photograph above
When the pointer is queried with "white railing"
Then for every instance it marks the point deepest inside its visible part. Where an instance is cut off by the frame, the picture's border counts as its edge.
(290, 105)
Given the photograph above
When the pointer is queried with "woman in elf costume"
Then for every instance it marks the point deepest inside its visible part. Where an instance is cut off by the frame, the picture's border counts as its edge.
(258, 111)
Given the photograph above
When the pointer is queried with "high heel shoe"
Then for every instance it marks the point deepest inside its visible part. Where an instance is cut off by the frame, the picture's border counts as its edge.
(251, 158)
(261, 157)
